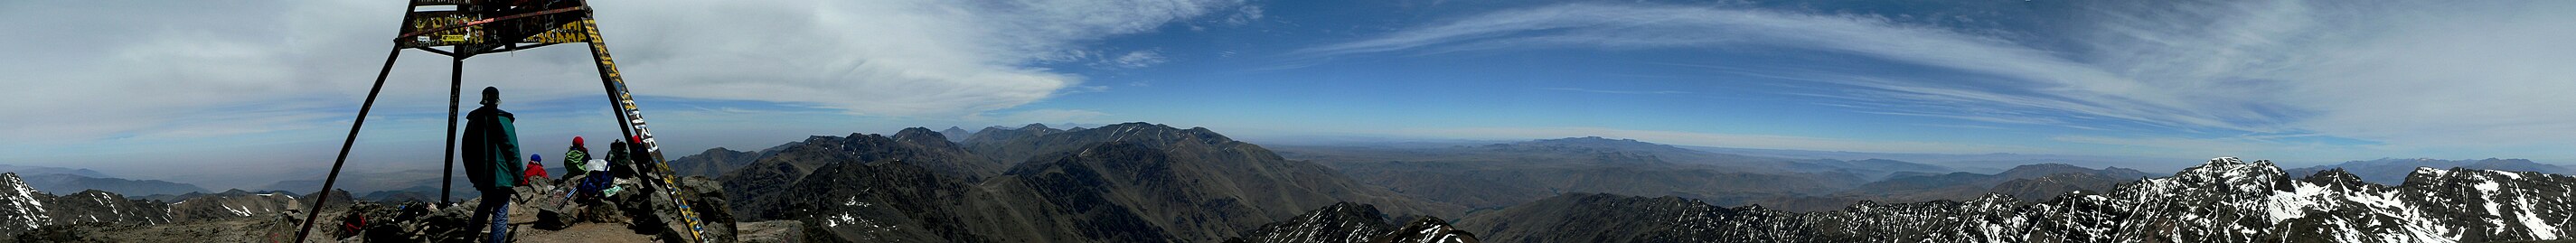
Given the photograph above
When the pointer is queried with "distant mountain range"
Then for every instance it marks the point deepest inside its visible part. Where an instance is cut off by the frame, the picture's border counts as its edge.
(1503, 174)
(421, 181)
(42, 170)
(2394, 171)
(73, 180)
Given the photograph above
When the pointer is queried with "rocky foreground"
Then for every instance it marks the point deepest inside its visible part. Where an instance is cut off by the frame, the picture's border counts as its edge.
(539, 214)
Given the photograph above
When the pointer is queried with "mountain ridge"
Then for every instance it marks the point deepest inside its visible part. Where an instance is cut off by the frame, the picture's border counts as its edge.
(24, 208)
(2224, 200)
(1129, 182)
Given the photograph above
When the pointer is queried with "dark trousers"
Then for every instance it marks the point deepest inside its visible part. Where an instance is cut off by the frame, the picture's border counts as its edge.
(496, 206)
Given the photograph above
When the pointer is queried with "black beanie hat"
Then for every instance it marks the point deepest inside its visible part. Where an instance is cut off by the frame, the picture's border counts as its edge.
(491, 95)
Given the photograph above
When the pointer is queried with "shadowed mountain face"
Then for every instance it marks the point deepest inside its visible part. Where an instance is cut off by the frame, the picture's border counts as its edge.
(717, 162)
(1131, 182)
(2224, 200)
(1009, 145)
(1498, 175)
(713, 162)
(2393, 171)
(789, 164)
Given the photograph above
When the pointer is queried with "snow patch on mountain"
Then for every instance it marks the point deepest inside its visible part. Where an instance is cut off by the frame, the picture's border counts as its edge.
(2223, 200)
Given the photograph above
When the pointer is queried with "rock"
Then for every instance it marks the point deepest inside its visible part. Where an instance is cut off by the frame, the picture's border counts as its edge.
(601, 213)
(772, 231)
(550, 219)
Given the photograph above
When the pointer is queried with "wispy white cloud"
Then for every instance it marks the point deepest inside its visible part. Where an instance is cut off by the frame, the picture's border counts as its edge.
(901, 58)
(2413, 74)
(2043, 80)
(95, 70)
(1655, 92)
(1714, 139)
(1244, 15)
(1132, 60)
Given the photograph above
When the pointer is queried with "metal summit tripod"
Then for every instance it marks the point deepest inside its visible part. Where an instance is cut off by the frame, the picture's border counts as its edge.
(471, 27)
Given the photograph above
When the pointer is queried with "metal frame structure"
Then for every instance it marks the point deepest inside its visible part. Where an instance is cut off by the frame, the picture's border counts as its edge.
(473, 27)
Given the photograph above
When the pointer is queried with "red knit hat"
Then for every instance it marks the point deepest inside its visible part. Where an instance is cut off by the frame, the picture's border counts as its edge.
(576, 140)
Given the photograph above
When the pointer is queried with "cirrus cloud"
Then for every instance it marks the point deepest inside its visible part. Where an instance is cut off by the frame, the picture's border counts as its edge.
(2397, 74)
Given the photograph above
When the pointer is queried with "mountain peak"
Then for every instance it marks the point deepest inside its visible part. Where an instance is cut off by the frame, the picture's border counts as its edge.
(921, 136)
(2230, 167)
(2225, 160)
(955, 134)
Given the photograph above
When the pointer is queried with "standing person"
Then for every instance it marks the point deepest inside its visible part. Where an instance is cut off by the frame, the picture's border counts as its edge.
(491, 156)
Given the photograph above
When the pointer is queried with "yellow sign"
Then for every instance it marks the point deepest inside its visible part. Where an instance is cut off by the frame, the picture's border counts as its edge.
(568, 32)
(434, 20)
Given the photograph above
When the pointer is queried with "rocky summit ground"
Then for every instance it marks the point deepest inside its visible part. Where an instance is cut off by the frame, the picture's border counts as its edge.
(538, 214)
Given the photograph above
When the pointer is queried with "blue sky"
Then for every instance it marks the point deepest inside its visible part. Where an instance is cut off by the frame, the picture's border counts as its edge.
(193, 92)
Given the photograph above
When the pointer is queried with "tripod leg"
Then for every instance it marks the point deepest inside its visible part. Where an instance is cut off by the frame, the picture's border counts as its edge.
(324, 197)
(455, 88)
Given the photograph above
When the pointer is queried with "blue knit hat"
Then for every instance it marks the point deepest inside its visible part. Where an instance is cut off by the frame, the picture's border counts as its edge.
(534, 158)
